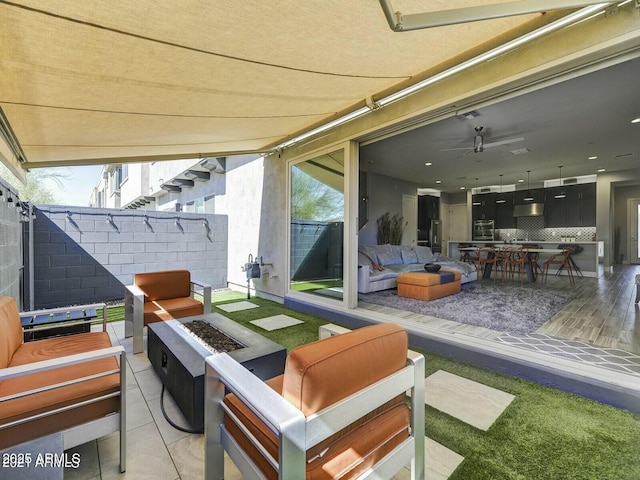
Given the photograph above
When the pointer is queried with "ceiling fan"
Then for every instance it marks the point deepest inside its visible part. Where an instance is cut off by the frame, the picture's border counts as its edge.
(479, 145)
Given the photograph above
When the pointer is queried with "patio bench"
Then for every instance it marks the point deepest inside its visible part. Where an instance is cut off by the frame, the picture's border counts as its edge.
(159, 296)
(72, 385)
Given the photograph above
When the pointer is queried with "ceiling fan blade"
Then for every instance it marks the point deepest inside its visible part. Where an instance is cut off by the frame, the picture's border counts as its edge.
(503, 142)
(459, 148)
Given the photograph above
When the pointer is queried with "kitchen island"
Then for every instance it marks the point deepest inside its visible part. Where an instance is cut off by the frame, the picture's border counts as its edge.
(586, 260)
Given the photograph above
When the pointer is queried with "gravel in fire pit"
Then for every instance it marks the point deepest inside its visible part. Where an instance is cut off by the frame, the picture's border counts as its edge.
(212, 336)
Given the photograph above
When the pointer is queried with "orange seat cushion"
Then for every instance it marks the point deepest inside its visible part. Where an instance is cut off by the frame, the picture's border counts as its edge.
(169, 309)
(319, 380)
(24, 407)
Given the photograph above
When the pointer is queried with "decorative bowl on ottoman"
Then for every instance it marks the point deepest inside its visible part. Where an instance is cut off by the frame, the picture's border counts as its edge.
(432, 267)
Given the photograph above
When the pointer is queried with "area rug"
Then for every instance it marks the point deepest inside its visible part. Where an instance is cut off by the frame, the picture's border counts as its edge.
(505, 308)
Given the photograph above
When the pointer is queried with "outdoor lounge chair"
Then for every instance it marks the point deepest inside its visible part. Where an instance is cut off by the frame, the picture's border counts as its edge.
(337, 412)
(72, 385)
(159, 296)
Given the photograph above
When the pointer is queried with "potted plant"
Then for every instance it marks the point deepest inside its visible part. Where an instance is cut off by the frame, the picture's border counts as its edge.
(390, 228)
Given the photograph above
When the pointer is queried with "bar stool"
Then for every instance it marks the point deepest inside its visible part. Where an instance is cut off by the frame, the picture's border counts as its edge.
(563, 260)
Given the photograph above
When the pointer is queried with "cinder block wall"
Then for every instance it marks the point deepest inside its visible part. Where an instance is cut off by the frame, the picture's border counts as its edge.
(84, 255)
(10, 248)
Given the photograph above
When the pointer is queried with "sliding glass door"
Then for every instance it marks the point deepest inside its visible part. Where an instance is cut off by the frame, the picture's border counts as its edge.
(317, 225)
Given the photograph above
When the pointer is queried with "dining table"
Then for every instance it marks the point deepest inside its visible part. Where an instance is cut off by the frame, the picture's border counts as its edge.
(529, 265)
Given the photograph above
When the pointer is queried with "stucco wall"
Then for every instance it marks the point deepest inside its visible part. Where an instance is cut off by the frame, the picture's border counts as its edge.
(85, 256)
(10, 246)
(255, 202)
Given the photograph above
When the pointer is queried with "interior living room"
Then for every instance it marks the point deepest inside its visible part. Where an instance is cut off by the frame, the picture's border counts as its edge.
(411, 86)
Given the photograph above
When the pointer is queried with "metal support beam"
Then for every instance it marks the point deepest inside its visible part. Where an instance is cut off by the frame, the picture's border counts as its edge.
(403, 23)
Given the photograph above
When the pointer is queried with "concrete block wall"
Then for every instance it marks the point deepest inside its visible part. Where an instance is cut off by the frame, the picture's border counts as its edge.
(84, 255)
(10, 246)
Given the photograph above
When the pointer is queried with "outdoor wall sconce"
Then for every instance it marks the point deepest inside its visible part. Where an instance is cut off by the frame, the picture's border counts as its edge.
(112, 223)
(179, 226)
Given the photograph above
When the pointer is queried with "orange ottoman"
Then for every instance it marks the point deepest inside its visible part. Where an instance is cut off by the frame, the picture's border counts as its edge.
(426, 286)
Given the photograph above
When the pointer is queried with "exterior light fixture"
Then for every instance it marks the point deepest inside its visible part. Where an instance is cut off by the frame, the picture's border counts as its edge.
(529, 196)
(501, 198)
(561, 193)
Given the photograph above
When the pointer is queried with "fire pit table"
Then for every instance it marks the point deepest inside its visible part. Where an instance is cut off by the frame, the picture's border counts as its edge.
(178, 357)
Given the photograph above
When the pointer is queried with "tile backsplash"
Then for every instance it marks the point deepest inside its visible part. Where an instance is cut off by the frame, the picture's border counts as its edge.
(532, 229)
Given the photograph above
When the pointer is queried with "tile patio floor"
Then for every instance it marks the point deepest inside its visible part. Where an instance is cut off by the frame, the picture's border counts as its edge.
(156, 450)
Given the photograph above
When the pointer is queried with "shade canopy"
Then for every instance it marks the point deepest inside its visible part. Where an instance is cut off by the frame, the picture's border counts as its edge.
(92, 82)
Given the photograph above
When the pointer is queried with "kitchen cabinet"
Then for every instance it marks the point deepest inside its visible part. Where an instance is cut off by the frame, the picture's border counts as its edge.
(504, 211)
(484, 207)
(577, 209)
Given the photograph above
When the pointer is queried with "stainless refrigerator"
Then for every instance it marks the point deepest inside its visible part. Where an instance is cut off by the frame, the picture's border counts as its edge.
(435, 236)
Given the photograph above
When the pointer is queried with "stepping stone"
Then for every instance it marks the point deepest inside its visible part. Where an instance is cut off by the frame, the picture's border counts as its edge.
(469, 401)
(440, 462)
(237, 306)
(276, 322)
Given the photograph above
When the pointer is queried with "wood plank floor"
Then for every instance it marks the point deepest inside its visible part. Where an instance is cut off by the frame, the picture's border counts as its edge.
(603, 313)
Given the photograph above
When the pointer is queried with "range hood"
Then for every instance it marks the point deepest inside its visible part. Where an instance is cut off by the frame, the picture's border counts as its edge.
(529, 210)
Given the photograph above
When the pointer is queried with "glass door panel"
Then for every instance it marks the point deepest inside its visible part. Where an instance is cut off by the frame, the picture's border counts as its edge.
(317, 226)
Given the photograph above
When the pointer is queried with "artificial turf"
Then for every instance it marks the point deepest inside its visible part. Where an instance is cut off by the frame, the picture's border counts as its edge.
(544, 434)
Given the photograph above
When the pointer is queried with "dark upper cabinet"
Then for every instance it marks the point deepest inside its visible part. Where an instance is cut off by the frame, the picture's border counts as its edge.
(577, 209)
(428, 209)
(504, 211)
(536, 193)
(484, 206)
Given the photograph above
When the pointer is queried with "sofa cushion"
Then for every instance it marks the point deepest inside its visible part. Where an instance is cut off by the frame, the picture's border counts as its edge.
(409, 255)
(389, 255)
(163, 285)
(11, 337)
(172, 308)
(315, 377)
(425, 254)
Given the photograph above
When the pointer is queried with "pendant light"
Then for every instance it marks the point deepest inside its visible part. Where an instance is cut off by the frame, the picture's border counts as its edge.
(501, 198)
(561, 193)
(529, 196)
(476, 202)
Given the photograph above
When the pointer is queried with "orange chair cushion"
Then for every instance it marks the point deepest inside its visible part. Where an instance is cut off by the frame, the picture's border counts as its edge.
(316, 377)
(24, 407)
(169, 309)
(164, 285)
(319, 374)
(10, 330)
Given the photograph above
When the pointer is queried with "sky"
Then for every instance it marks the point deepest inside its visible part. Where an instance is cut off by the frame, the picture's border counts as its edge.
(76, 190)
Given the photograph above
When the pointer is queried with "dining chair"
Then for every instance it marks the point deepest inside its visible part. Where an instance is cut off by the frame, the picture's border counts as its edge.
(563, 260)
(514, 258)
(489, 258)
(469, 256)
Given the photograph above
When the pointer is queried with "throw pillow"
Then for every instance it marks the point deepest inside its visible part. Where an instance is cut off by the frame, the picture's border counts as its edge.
(409, 255)
(389, 255)
(424, 254)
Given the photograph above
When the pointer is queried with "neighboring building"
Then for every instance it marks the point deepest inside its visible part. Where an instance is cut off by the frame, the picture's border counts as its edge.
(179, 185)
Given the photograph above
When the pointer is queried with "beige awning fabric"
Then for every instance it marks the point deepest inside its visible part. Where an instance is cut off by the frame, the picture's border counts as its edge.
(86, 82)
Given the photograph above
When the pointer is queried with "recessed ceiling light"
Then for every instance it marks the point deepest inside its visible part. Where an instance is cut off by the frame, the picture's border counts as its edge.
(463, 188)
(600, 170)
(636, 120)
(593, 157)
(438, 181)
(428, 164)
(521, 180)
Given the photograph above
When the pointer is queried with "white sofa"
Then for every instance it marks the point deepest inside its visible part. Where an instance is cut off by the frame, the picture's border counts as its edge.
(396, 259)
